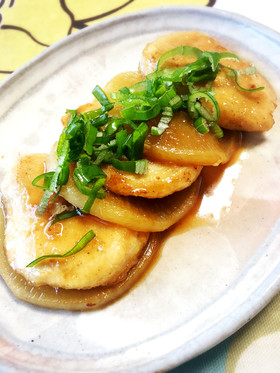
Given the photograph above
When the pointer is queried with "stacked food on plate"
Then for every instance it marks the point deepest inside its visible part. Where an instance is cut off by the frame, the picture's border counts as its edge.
(84, 222)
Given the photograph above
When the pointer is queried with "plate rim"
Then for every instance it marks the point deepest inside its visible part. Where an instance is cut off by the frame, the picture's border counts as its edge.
(273, 279)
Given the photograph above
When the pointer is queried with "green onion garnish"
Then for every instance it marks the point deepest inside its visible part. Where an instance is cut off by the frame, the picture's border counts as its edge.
(196, 108)
(236, 73)
(185, 51)
(201, 126)
(94, 194)
(163, 124)
(46, 177)
(144, 112)
(93, 138)
(78, 247)
(216, 129)
(102, 98)
(138, 167)
(65, 215)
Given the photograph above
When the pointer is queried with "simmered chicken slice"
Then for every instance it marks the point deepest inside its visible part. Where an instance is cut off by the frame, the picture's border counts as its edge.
(240, 110)
(160, 181)
(137, 213)
(74, 299)
(104, 261)
(153, 50)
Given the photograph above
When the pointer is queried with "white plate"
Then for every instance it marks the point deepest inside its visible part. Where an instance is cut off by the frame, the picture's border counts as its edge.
(210, 280)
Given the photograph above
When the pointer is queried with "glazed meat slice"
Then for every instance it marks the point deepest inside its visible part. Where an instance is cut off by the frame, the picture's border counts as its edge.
(137, 213)
(105, 260)
(160, 181)
(240, 110)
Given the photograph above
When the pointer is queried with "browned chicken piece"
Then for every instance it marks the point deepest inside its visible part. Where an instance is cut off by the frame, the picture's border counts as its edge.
(106, 259)
(141, 214)
(240, 110)
(160, 180)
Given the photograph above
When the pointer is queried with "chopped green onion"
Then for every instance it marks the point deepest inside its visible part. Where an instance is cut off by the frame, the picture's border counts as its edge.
(235, 73)
(100, 121)
(53, 181)
(161, 89)
(91, 134)
(94, 194)
(163, 124)
(217, 130)
(138, 102)
(137, 167)
(63, 174)
(200, 125)
(92, 114)
(78, 247)
(176, 102)
(65, 215)
(167, 96)
(215, 57)
(185, 51)
(101, 156)
(167, 74)
(228, 55)
(86, 170)
(196, 109)
(47, 178)
(139, 88)
(138, 139)
(113, 127)
(133, 145)
(44, 202)
(146, 114)
(100, 95)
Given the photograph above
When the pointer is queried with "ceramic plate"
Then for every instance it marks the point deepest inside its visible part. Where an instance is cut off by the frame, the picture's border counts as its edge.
(210, 279)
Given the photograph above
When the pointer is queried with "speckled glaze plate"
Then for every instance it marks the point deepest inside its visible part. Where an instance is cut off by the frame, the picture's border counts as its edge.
(209, 280)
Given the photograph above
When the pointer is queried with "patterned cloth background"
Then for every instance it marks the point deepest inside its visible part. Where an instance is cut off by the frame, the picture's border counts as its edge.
(30, 26)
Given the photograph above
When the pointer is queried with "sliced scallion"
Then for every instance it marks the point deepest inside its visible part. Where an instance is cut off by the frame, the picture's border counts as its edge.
(78, 247)
(217, 130)
(65, 215)
(235, 73)
(93, 194)
(133, 113)
(46, 177)
(101, 96)
(196, 107)
(200, 125)
(137, 167)
(185, 51)
(163, 124)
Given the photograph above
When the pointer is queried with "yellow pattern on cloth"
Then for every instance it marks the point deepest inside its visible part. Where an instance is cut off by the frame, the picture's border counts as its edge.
(29, 26)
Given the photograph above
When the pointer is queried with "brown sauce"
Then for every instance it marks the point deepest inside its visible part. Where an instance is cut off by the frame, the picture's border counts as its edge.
(211, 176)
